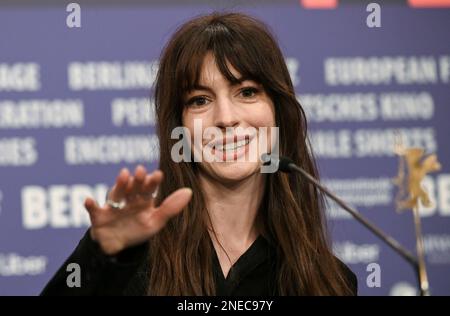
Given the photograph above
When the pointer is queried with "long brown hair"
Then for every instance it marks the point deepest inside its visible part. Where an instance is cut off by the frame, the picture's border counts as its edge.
(181, 254)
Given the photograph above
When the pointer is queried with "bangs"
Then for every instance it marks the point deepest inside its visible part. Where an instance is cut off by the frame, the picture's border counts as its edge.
(226, 46)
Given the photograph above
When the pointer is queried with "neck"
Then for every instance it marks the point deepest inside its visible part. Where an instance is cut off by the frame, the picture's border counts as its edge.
(233, 208)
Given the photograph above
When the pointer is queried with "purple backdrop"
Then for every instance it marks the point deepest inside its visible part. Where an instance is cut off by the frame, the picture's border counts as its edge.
(74, 110)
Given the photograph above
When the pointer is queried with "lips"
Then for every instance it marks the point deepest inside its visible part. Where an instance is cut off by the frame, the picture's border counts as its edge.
(232, 146)
(231, 143)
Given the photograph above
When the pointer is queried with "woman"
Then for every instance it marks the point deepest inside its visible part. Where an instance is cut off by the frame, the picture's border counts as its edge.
(214, 228)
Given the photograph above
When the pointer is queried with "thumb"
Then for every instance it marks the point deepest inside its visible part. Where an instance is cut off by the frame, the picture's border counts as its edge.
(174, 203)
(93, 209)
(90, 205)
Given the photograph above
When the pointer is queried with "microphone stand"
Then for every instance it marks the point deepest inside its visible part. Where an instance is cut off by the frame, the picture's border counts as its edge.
(286, 165)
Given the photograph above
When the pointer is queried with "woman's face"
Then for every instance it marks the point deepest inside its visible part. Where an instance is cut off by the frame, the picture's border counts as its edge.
(229, 108)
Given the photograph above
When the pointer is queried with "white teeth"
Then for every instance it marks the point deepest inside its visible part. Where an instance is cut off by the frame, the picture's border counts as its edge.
(232, 146)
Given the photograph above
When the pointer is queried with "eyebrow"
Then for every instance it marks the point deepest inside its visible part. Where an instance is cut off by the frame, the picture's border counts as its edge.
(238, 82)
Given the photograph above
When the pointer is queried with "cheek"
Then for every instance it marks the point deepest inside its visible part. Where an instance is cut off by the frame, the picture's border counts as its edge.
(188, 120)
(195, 124)
(262, 116)
(264, 119)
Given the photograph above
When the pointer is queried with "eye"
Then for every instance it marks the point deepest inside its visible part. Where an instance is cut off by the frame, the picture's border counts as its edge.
(249, 92)
(197, 101)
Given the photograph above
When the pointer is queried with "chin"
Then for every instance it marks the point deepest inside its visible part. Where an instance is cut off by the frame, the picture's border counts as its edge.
(233, 171)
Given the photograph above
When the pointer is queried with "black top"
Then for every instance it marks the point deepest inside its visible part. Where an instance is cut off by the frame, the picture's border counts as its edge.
(253, 273)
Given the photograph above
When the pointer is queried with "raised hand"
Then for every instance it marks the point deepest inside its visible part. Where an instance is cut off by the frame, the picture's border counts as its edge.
(116, 229)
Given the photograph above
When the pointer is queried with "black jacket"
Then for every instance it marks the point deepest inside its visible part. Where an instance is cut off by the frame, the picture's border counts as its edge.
(127, 273)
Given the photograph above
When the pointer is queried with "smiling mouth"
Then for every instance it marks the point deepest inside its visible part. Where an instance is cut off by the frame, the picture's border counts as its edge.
(232, 146)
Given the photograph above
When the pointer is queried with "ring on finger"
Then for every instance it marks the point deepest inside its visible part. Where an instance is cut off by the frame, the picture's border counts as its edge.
(113, 204)
(116, 205)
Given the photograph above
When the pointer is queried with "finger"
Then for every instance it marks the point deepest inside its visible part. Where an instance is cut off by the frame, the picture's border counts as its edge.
(150, 185)
(140, 174)
(152, 182)
(171, 206)
(117, 192)
(96, 213)
(135, 186)
(144, 192)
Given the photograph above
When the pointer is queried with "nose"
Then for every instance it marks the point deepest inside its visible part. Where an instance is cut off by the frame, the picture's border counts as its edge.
(225, 114)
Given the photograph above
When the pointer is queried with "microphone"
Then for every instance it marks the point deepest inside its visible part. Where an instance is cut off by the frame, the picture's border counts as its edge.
(288, 166)
(282, 163)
